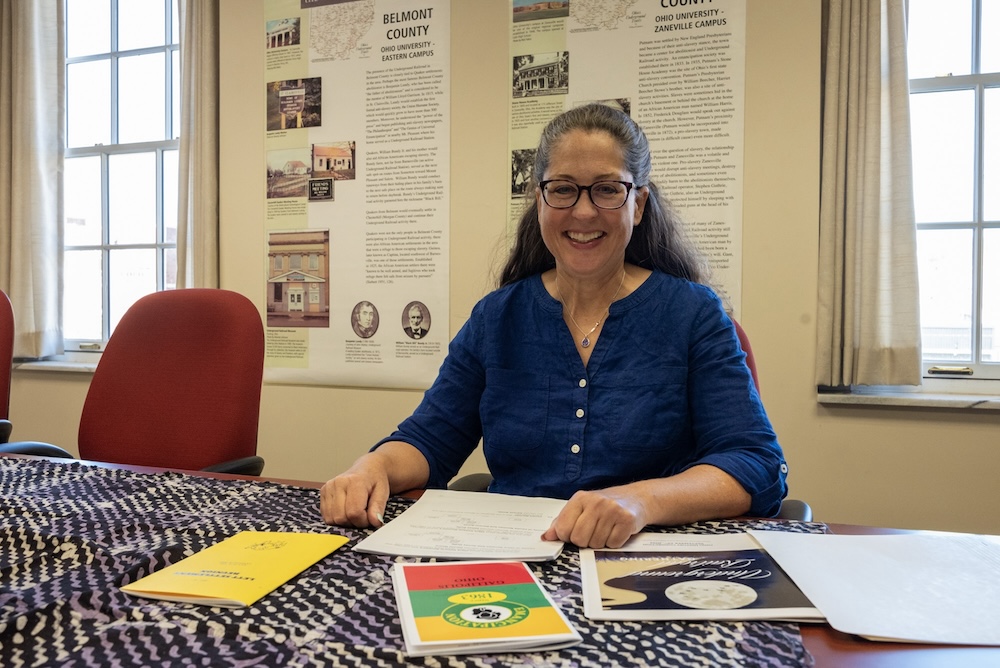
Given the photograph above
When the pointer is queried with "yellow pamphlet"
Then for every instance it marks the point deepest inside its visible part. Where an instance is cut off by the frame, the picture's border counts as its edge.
(237, 571)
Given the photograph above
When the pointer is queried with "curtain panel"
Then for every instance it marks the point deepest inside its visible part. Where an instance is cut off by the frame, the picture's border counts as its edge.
(31, 162)
(198, 178)
(868, 316)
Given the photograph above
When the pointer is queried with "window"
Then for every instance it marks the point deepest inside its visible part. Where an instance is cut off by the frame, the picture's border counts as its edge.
(954, 68)
(120, 174)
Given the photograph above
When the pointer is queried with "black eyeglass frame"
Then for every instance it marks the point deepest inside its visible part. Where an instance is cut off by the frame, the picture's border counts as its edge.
(579, 191)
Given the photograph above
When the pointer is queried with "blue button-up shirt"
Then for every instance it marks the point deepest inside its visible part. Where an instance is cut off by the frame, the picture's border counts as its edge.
(666, 388)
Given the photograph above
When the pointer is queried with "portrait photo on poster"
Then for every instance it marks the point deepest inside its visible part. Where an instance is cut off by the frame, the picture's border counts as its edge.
(416, 320)
(364, 319)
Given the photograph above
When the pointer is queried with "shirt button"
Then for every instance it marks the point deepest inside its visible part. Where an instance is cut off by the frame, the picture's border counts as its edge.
(583, 382)
(579, 412)
(575, 449)
(784, 468)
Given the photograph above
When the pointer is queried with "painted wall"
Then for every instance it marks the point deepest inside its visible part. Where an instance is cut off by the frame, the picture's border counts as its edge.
(933, 469)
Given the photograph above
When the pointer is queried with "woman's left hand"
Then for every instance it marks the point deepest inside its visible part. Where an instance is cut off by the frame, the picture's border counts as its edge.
(602, 518)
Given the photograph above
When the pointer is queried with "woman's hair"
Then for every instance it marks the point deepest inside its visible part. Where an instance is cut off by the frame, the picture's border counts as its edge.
(657, 243)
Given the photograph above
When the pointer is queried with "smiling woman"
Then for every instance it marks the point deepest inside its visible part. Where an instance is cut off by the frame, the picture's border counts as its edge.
(602, 370)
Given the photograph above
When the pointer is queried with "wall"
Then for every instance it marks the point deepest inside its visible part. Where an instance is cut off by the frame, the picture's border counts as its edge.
(892, 467)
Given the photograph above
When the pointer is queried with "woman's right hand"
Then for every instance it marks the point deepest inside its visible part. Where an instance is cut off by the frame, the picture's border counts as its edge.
(357, 497)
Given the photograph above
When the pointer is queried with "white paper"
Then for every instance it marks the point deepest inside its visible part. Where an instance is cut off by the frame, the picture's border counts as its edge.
(922, 587)
(664, 576)
(469, 525)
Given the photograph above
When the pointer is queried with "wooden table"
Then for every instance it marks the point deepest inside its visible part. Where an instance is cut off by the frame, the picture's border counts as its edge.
(828, 646)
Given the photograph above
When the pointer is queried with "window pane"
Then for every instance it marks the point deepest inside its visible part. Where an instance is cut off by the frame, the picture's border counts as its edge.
(141, 112)
(170, 197)
(991, 154)
(140, 24)
(945, 266)
(943, 155)
(169, 268)
(990, 52)
(175, 28)
(88, 103)
(132, 274)
(132, 198)
(82, 201)
(991, 295)
(939, 41)
(175, 119)
(88, 27)
(82, 289)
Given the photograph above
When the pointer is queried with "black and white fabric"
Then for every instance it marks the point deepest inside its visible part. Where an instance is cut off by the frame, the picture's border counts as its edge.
(71, 535)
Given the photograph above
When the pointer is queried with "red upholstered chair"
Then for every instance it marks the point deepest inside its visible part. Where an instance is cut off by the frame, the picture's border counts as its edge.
(748, 351)
(6, 361)
(178, 385)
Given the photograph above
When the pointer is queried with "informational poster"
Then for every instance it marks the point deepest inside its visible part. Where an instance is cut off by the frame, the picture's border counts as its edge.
(357, 135)
(677, 67)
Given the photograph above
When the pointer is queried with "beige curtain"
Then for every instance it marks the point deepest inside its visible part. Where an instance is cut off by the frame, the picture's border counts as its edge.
(198, 178)
(868, 317)
(31, 159)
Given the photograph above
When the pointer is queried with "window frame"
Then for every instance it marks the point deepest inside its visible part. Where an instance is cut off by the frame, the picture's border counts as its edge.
(160, 245)
(942, 373)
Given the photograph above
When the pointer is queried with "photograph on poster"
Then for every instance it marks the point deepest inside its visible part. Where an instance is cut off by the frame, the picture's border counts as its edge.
(364, 319)
(294, 103)
(532, 10)
(321, 190)
(283, 32)
(288, 173)
(298, 289)
(541, 74)
(416, 320)
(522, 161)
(335, 160)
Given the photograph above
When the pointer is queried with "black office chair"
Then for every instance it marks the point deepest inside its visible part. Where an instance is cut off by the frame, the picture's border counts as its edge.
(791, 509)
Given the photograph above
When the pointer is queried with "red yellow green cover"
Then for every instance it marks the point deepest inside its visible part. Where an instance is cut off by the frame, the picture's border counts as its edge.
(476, 607)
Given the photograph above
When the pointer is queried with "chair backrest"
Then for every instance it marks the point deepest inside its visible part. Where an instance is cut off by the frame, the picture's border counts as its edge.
(6, 353)
(745, 344)
(178, 384)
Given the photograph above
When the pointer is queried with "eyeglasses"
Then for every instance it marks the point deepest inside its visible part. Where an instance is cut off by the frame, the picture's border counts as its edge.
(561, 194)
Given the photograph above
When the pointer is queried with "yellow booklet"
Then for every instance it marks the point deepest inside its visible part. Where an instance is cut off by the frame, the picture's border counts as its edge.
(238, 570)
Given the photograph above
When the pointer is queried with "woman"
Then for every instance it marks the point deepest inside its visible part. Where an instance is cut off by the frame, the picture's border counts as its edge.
(602, 370)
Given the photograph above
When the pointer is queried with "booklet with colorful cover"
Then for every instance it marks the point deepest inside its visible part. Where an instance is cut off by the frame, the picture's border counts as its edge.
(476, 607)
(660, 576)
(237, 571)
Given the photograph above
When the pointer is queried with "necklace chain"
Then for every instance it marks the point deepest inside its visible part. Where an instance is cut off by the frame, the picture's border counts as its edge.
(586, 335)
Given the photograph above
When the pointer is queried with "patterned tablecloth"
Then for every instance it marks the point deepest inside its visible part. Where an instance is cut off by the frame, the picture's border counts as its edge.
(71, 535)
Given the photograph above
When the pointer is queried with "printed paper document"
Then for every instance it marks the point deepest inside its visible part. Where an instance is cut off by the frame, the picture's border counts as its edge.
(469, 525)
(922, 587)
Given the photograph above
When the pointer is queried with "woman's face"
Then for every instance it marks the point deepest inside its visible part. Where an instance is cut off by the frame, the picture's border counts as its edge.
(588, 242)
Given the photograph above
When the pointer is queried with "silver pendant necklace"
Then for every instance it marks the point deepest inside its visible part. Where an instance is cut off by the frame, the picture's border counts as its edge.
(586, 335)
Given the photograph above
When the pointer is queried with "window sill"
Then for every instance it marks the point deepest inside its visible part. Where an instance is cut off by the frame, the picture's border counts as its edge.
(915, 398)
(68, 363)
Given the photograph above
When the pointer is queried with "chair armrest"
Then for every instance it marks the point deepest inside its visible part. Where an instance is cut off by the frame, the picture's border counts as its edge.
(244, 466)
(34, 448)
(5, 429)
(474, 482)
(795, 509)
